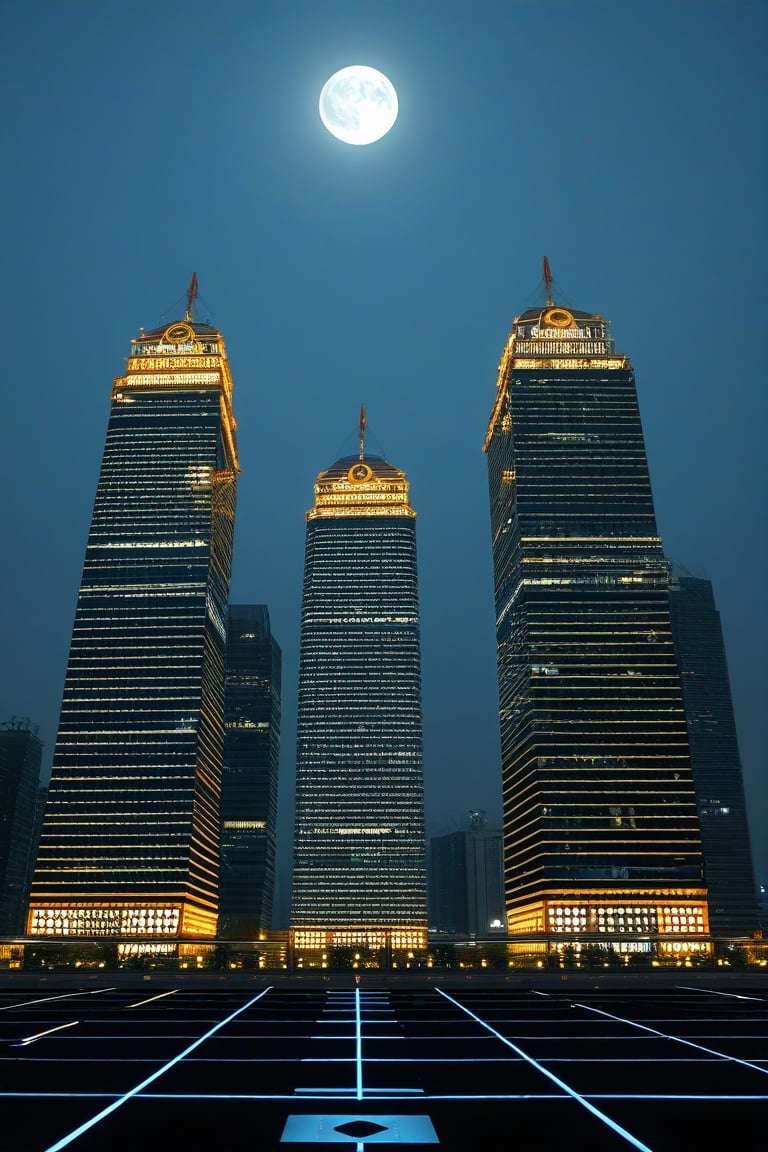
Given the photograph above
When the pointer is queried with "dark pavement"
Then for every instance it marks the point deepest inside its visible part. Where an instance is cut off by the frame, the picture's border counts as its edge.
(665, 1062)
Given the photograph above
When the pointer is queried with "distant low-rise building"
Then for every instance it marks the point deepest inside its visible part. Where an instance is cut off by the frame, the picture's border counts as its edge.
(466, 880)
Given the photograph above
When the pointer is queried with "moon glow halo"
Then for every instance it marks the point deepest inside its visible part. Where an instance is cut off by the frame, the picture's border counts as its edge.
(358, 104)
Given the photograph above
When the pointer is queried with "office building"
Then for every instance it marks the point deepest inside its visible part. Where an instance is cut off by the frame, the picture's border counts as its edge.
(359, 869)
(20, 755)
(698, 638)
(130, 839)
(600, 824)
(466, 880)
(250, 773)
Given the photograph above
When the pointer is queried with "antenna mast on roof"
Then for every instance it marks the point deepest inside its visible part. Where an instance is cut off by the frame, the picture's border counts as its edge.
(362, 431)
(191, 297)
(548, 280)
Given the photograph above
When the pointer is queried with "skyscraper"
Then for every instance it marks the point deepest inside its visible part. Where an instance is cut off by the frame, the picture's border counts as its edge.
(698, 638)
(250, 772)
(130, 840)
(600, 825)
(359, 875)
(466, 881)
(20, 756)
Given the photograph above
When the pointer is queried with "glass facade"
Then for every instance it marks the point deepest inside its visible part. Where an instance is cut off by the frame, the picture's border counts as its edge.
(600, 824)
(698, 638)
(250, 772)
(130, 839)
(359, 840)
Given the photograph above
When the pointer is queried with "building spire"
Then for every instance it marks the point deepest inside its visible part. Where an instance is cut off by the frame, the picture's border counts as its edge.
(362, 431)
(548, 280)
(191, 297)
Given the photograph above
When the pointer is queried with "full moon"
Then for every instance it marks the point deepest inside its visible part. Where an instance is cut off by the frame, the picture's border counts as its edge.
(358, 105)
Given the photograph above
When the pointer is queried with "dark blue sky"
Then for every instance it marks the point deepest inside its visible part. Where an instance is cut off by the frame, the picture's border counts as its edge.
(144, 140)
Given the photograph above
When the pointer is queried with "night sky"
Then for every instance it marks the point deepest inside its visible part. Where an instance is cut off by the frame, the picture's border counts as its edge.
(147, 139)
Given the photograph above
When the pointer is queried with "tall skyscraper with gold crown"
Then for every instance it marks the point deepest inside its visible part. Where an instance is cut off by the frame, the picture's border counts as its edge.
(130, 840)
(600, 824)
(359, 873)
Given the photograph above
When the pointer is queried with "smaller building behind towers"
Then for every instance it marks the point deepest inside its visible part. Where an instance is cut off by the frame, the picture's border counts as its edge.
(250, 773)
(698, 639)
(466, 880)
(20, 755)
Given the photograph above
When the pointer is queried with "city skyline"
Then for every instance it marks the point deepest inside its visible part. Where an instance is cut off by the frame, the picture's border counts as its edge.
(388, 275)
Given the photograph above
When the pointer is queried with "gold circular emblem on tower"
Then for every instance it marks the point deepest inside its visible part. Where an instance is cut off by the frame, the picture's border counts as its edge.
(178, 334)
(359, 473)
(559, 318)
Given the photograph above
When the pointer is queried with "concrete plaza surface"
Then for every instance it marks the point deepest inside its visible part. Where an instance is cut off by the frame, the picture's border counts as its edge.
(548, 1060)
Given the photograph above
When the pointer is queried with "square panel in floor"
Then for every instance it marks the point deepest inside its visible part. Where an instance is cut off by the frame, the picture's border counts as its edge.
(346, 1128)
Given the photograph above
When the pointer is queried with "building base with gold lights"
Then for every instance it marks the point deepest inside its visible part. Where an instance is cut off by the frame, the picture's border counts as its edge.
(614, 918)
(99, 920)
(367, 947)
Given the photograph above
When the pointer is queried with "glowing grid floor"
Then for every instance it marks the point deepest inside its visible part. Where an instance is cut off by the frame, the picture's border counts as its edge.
(456, 1065)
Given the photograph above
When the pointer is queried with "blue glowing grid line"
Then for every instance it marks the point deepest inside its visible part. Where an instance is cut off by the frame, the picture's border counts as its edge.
(358, 1047)
(46, 999)
(668, 1036)
(374, 1094)
(65, 1140)
(555, 1079)
(712, 992)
